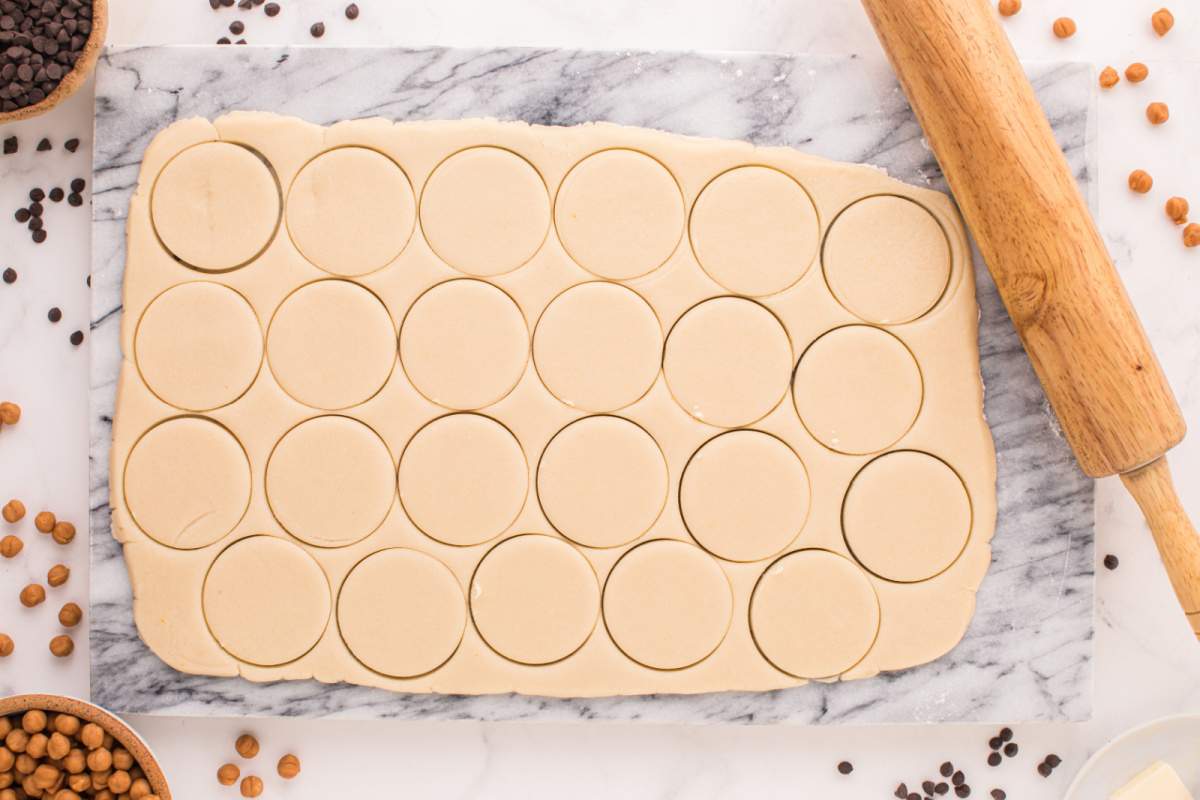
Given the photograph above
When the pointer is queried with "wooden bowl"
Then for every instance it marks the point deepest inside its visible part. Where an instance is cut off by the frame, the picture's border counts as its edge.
(90, 713)
(78, 74)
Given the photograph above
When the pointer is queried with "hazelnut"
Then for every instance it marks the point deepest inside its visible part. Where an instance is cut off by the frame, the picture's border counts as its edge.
(10, 413)
(246, 746)
(1137, 72)
(289, 767)
(63, 532)
(62, 646)
(91, 735)
(228, 774)
(1158, 113)
(1009, 7)
(32, 594)
(1177, 210)
(13, 511)
(1064, 27)
(1109, 78)
(1191, 235)
(252, 786)
(10, 545)
(1162, 21)
(33, 721)
(70, 615)
(58, 575)
(1140, 181)
(6, 648)
(44, 521)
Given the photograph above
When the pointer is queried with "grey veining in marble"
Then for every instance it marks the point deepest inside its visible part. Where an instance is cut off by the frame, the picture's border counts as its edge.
(1027, 655)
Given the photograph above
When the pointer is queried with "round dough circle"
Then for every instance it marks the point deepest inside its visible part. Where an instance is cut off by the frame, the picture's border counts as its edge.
(331, 344)
(602, 481)
(463, 479)
(755, 230)
(198, 346)
(401, 612)
(598, 346)
(814, 614)
(744, 496)
(485, 211)
(215, 206)
(667, 604)
(187, 482)
(351, 211)
(266, 601)
(619, 214)
(857, 389)
(906, 516)
(728, 362)
(330, 481)
(887, 260)
(534, 599)
(464, 344)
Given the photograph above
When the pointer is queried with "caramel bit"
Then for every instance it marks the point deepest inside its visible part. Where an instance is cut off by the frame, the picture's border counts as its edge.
(6, 645)
(1162, 21)
(10, 413)
(1177, 210)
(58, 575)
(1191, 235)
(1137, 72)
(1064, 27)
(70, 615)
(1109, 78)
(1009, 7)
(228, 774)
(1140, 181)
(10, 545)
(63, 533)
(246, 746)
(252, 786)
(289, 767)
(13, 511)
(62, 646)
(1158, 113)
(32, 595)
(44, 521)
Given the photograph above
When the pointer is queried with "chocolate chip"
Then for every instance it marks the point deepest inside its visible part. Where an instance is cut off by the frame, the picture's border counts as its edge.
(37, 195)
(10, 145)
(244, 4)
(72, 145)
(941, 788)
(947, 769)
(35, 223)
(927, 787)
(317, 30)
(54, 314)
(993, 759)
(1111, 562)
(44, 145)
(237, 27)
(39, 236)
(271, 9)
(901, 791)
(845, 767)
(1044, 769)
(995, 743)
(227, 3)
(352, 11)
(1006, 734)
(22, 215)
(1053, 760)
(56, 194)
(75, 199)
(962, 790)
(214, 4)
(240, 41)
(10, 275)
(958, 779)
(1011, 749)
(36, 209)
(999, 794)
(77, 338)
(224, 40)
(77, 185)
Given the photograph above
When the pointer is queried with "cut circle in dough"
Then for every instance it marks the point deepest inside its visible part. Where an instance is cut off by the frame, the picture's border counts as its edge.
(728, 361)
(534, 599)
(215, 206)
(198, 346)
(464, 344)
(755, 230)
(598, 346)
(331, 344)
(266, 601)
(330, 481)
(187, 482)
(744, 496)
(485, 211)
(887, 259)
(463, 479)
(602, 481)
(857, 389)
(667, 604)
(351, 211)
(906, 516)
(814, 614)
(619, 214)
(401, 612)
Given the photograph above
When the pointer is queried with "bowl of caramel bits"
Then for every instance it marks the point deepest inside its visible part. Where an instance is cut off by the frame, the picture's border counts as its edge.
(61, 748)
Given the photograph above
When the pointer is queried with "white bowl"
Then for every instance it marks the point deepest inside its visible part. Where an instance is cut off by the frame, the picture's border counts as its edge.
(1175, 740)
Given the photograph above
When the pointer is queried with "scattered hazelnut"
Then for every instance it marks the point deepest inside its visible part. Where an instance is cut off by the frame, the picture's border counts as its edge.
(1158, 113)
(10, 545)
(1109, 78)
(70, 615)
(246, 746)
(1162, 21)
(1064, 27)
(63, 533)
(32, 594)
(252, 786)
(1009, 7)
(62, 646)
(6, 645)
(10, 413)
(289, 767)
(44, 521)
(228, 774)
(1191, 235)
(1177, 210)
(1137, 72)
(58, 575)
(1140, 181)
(13, 511)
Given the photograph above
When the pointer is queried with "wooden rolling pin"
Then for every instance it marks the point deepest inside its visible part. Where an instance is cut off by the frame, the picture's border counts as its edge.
(1062, 291)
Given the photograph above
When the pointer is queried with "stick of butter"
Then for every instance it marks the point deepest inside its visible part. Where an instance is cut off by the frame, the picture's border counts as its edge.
(1157, 782)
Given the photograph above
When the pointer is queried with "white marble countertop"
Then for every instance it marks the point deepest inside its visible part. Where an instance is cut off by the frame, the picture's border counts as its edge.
(1147, 662)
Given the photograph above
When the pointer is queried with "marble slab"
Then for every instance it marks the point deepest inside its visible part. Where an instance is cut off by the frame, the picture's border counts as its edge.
(1028, 653)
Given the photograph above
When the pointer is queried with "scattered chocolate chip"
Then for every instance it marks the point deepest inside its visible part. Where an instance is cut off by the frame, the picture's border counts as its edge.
(958, 779)
(994, 743)
(941, 788)
(240, 41)
(77, 185)
(10, 275)
(227, 3)
(237, 27)
(1111, 562)
(39, 237)
(77, 338)
(36, 209)
(1044, 769)
(44, 145)
(962, 790)
(1011, 749)
(317, 30)
(75, 199)
(1053, 760)
(71, 145)
(89, 281)
(993, 759)
(36, 224)
(224, 40)
(845, 767)
(22, 216)
(271, 9)
(946, 770)
(214, 4)
(901, 792)
(10, 145)
(1006, 734)
(244, 4)
(56, 194)
(927, 787)
(999, 794)
(54, 314)
(37, 195)
(352, 11)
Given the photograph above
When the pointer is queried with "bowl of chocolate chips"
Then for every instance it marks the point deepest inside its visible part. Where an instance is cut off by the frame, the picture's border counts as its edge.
(47, 50)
